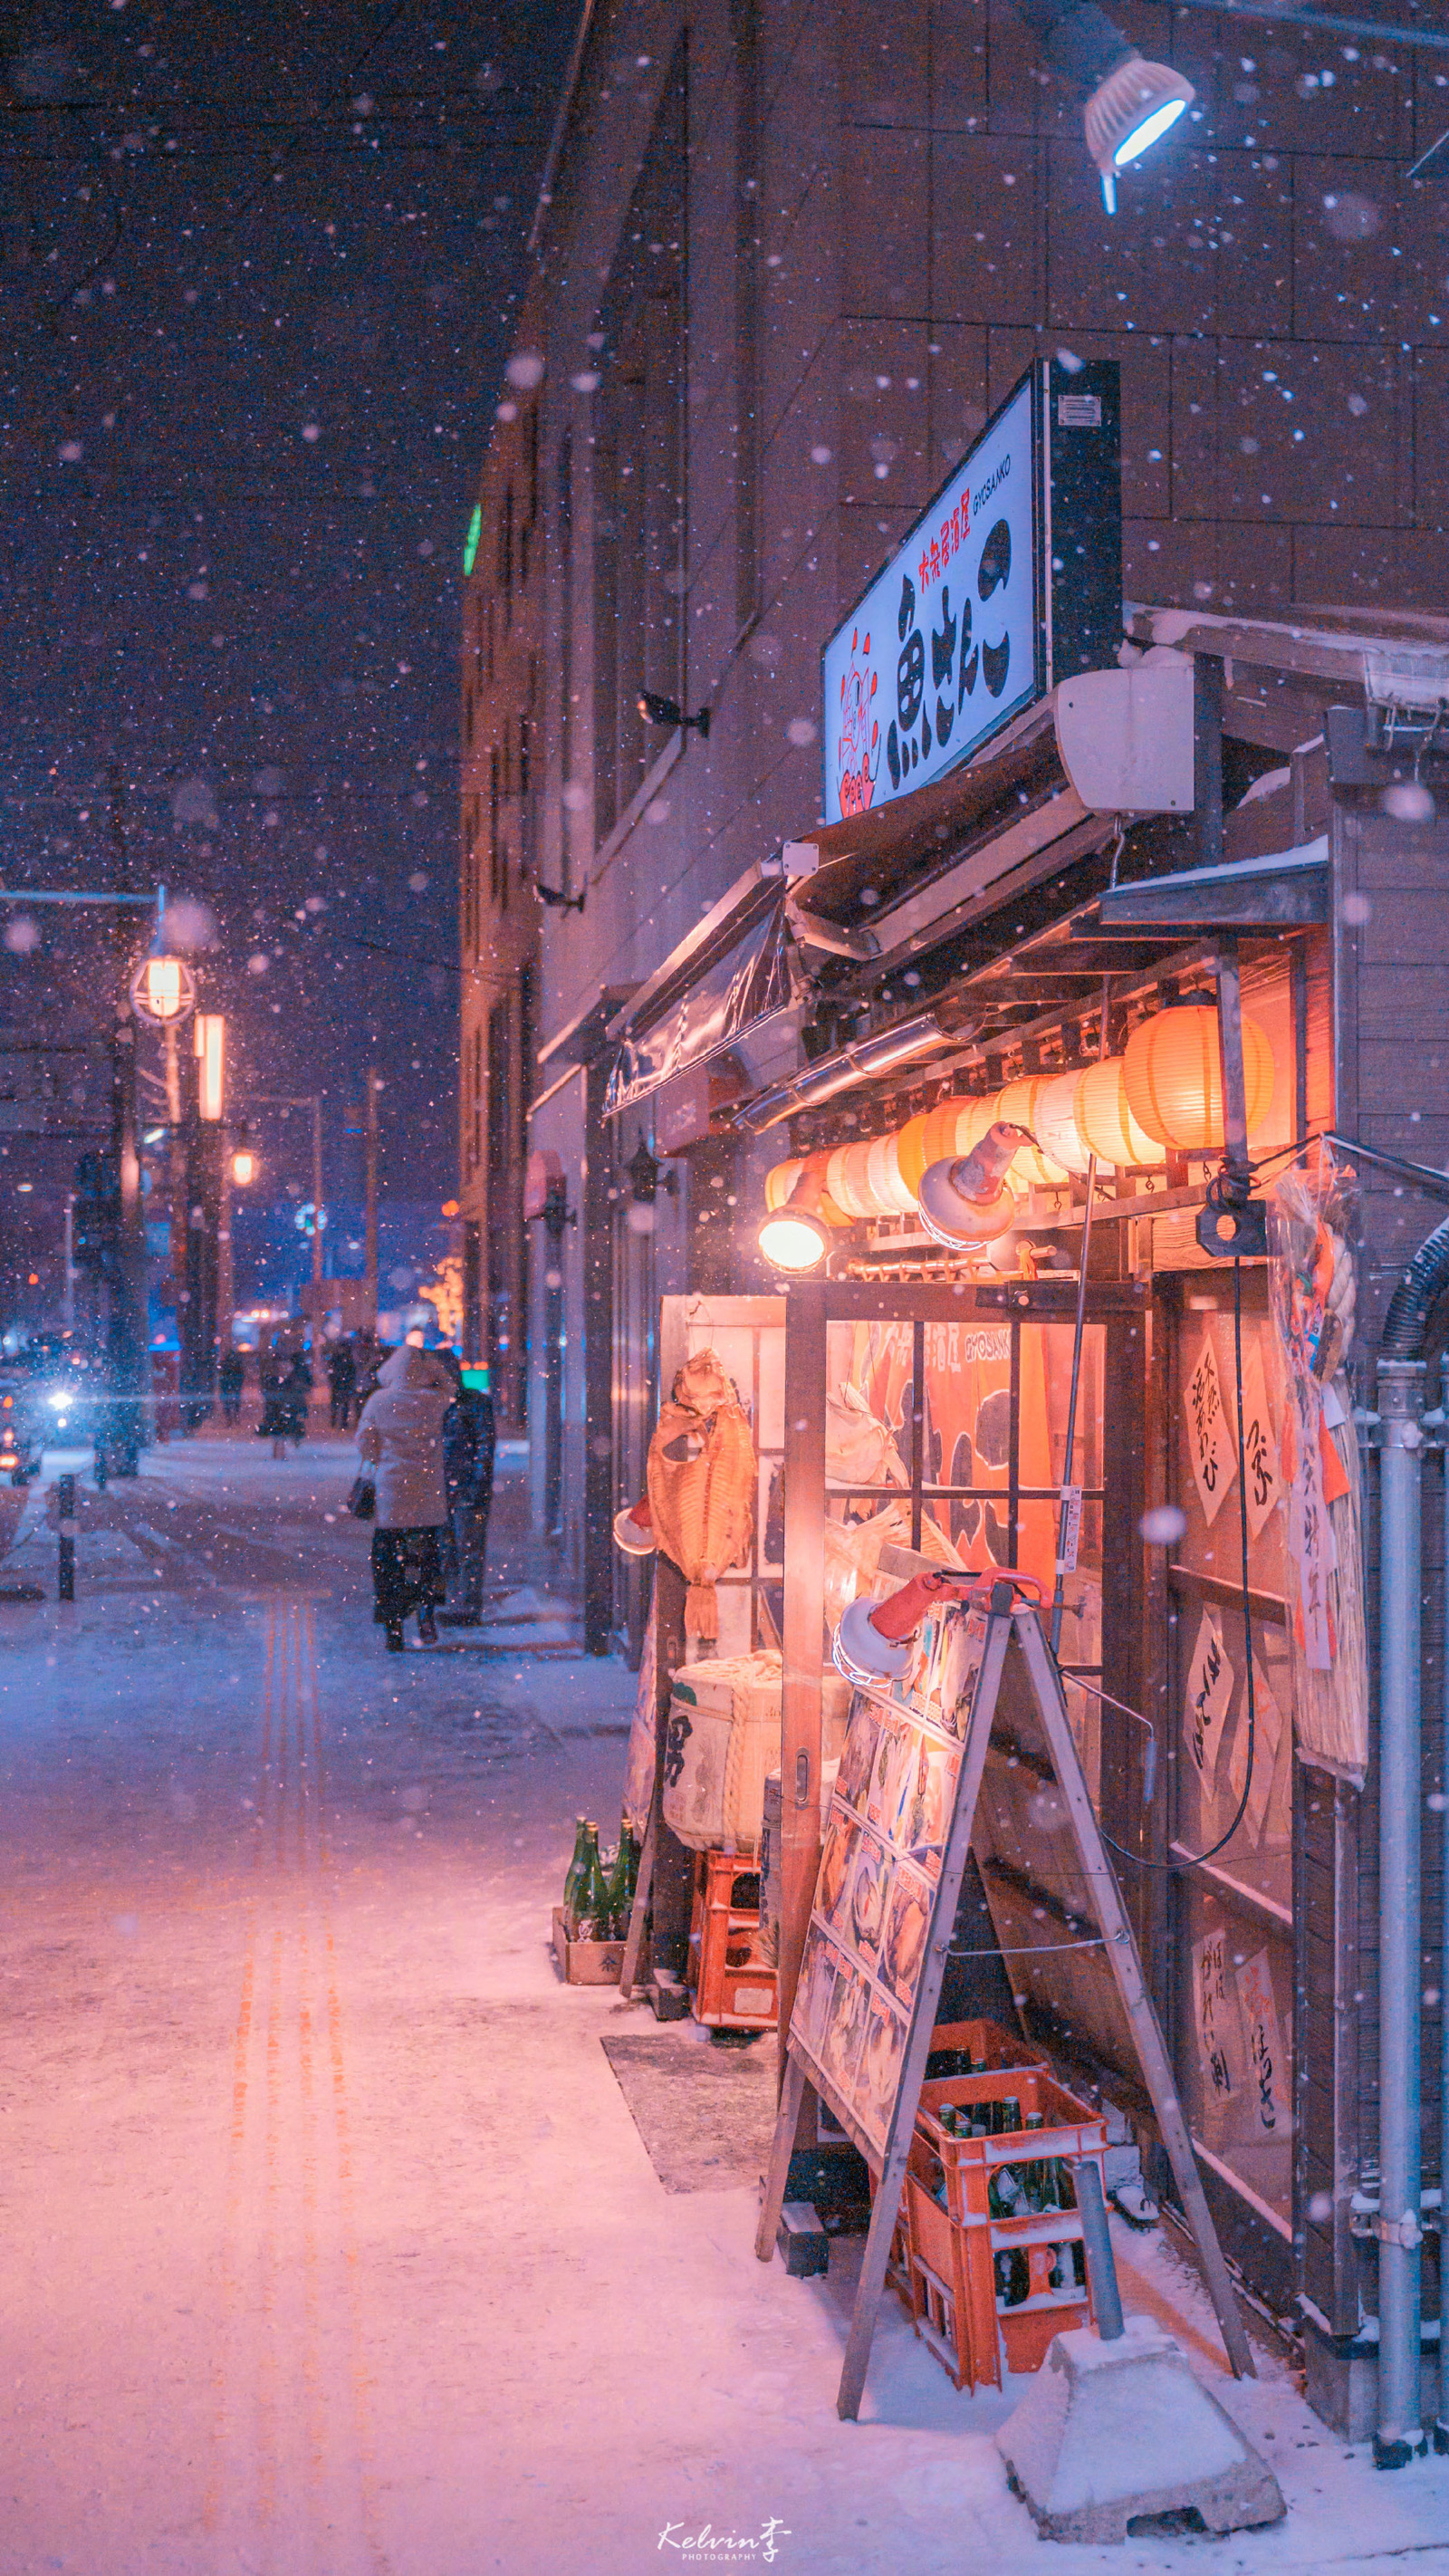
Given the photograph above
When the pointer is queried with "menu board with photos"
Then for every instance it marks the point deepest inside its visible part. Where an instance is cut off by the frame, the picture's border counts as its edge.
(880, 1867)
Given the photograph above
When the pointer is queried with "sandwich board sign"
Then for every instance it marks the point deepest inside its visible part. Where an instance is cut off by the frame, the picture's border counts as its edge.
(889, 1882)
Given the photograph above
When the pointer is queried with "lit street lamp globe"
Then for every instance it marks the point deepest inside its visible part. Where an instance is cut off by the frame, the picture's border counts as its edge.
(163, 990)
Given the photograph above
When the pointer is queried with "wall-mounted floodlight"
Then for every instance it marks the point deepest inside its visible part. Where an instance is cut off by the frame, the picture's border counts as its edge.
(1128, 103)
(668, 711)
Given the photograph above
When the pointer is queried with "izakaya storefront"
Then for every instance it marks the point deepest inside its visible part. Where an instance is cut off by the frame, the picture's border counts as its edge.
(1083, 1290)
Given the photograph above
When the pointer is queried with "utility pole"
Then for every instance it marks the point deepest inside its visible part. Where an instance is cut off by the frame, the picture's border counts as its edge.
(316, 1212)
(370, 1229)
(126, 1335)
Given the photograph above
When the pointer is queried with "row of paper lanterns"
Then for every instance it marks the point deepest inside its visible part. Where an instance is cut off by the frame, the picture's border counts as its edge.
(1163, 1094)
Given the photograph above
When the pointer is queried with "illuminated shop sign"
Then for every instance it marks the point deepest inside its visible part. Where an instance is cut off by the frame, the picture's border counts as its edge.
(1010, 581)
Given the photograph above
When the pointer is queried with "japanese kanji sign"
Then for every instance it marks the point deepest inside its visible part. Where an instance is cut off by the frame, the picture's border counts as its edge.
(1210, 1679)
(942, 649)
(1211, 1441)
(1213, 2011)
(1260, 1441)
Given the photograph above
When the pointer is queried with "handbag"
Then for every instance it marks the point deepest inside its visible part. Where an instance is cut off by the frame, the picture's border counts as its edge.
(362, 1501)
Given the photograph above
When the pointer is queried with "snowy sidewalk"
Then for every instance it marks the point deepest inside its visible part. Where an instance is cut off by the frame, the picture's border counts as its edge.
(331, 2244)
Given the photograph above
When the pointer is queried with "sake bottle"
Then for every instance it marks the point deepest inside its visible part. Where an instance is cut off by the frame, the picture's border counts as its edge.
(573, 1879)
(590, 1894)
(621, 1889)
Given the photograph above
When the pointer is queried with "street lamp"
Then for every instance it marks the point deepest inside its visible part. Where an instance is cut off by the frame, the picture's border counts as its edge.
(163, 991)
(1128, 103)
(243, 1166)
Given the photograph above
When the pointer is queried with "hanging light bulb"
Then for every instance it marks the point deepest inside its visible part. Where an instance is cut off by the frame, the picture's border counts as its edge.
(965, 1201)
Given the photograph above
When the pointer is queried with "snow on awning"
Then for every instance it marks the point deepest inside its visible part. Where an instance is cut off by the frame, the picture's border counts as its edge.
(730, 975)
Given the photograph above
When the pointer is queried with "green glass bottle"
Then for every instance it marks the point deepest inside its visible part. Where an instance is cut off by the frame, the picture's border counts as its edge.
(1011, 2115)
(621, 1891)
(591, 1897)
(573, 1879)
(946, 2114)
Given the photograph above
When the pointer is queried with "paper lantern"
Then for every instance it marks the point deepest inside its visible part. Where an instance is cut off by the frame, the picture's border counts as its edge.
(1054, 1122)
(1032, 1168)
(1174, 1076)
(910, 1152)
(887, 1189)
(1105, 1121)
(845, 1180)
(780, 1181)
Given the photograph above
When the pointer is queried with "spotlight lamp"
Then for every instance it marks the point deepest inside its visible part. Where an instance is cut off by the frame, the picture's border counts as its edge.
(634, 1529)
(1128, 102)
(794, 1237)
(873, 1640)
(1130, 111)
(964, 1200)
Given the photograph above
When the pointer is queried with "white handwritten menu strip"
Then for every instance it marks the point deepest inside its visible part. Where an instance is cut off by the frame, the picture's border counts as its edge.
(885, 1839)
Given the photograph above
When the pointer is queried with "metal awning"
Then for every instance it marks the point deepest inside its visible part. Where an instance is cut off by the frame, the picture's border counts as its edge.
(1283, 890)
(731, 974)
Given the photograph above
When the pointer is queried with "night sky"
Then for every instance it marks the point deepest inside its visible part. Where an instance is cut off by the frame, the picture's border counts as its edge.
(256, 265)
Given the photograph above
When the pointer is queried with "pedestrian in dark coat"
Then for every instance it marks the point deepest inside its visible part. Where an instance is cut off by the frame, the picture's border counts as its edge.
(468, 1445)
(342, 1383)
(400, 1436)
(231, 1378)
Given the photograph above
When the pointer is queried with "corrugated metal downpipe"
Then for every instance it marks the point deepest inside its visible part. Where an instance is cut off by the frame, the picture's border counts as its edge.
(1400, 2435)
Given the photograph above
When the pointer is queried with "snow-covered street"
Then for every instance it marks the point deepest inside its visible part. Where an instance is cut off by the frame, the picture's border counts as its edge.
(330, 2241)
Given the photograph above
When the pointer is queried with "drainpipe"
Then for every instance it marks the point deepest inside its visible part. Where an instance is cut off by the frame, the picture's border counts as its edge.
(1441, 2427)
(1400, 2435)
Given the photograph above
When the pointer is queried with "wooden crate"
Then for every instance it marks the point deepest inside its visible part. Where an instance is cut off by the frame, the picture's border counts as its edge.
(733, 1985)
(585, 1963)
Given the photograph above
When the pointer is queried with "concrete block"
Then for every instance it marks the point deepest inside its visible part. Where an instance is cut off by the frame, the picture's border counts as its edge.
(884, 416)
(802, 2241)
(884, 249)
(1347, 279)
(1114, 2434)
(884, 64)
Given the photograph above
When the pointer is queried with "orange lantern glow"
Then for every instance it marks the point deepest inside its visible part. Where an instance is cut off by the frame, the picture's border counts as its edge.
(1174, 1077)
(910, 1152)
(1105, 1121)
(780, 1181)
(1033, 1167)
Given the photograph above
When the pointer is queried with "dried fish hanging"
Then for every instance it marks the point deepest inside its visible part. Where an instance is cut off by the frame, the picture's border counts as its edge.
(701, 1482)
(1312, 1285)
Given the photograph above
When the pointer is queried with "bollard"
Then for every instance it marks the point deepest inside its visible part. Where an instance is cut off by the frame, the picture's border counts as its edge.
(1097, 2245)
(65, 1588)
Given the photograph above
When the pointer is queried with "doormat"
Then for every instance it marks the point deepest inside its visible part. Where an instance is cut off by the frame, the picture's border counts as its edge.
(706, 2114)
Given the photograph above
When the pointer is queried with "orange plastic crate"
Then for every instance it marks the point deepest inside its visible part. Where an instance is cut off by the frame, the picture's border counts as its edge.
(991, 2337)
(733, 1986)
